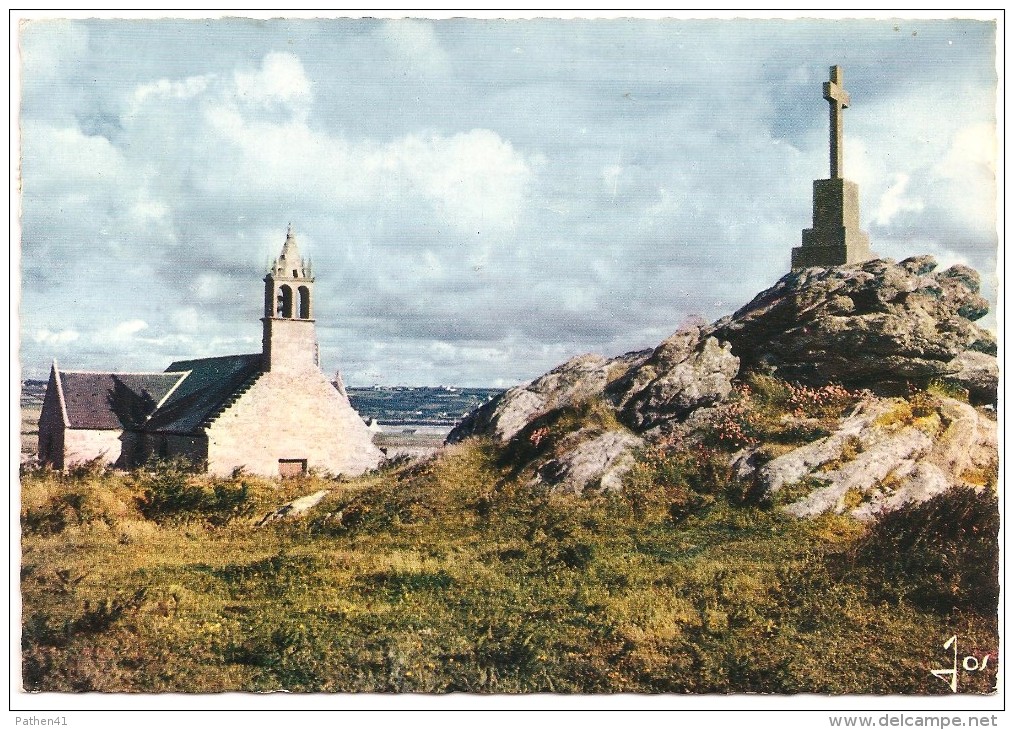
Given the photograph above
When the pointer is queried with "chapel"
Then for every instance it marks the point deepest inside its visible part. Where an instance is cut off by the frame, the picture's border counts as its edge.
(273, 412)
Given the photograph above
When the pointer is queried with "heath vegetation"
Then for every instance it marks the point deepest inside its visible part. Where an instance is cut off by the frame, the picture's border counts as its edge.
(457, 575)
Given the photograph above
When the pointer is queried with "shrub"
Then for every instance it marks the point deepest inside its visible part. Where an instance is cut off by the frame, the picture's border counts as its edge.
(417, 492)
(943, 553)
(851, 448)
(398, 583)
(542, 435)
(577, 555)
(733, 427)
(919, 409)
(172, 491)
(685, 504)
(51, 502)
(377, 510)
(795, 491)
(985, 475)
(947, 389)
(853, 498)
(91, 469)
(766, 409)
(49, 519)
(823, 402)
(768, 391)
(827, 401)
(100, 616)
(924, 404)
(676, 481)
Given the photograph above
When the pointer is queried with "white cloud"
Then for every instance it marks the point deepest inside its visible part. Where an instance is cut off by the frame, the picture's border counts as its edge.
(55, 339)
(894, 201)
(969, 173)
(65, 157)
(148, 210)
(166, 89)
(126, 330)
(209, 286)
(473, 180)
(972, 151)
(860, 166)
(476, 179)
(611, 178)
(280, 79)
(186, 319)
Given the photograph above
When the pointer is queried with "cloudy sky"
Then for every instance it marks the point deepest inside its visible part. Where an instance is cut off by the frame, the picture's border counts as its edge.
(481, 199)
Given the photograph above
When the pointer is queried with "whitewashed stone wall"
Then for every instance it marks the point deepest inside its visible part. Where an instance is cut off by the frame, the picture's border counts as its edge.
(291, 414)
(81, 445)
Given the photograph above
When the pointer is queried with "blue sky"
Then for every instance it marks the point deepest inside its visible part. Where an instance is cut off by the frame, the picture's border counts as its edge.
(481, 199)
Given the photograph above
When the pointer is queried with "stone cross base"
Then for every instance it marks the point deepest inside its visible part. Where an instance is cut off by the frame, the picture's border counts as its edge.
(835, 238)
(803, 257)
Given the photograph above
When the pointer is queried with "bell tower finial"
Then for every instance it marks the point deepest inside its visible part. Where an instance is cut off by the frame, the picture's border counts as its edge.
(290, 340)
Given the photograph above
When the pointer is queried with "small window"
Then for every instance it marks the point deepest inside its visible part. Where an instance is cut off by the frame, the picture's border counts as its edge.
(295, 274)
(291, 467)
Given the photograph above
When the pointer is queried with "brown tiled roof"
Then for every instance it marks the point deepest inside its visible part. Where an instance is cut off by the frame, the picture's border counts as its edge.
(113, 401)
(212, 384)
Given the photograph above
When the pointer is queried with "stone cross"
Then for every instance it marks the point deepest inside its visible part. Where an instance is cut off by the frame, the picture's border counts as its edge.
(839, 99)
(836, 238)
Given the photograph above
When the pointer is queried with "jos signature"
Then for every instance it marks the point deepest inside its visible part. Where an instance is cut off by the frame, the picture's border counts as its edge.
(969, 663)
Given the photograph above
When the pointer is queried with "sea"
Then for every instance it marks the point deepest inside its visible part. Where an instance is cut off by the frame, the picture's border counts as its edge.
(406, 420)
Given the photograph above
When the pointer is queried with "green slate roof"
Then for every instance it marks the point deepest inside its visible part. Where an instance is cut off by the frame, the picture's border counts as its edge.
(212, 383)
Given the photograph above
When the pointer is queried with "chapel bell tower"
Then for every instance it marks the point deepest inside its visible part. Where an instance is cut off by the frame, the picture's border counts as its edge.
(290, 338)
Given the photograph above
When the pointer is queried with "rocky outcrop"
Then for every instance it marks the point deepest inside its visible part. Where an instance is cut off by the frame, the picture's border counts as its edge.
(880, 457)
(895, 456)
(807, 459)
(977, 373)
(595, 464)
(577, 380)
(875, 325)
(879, 326)
(684, 373)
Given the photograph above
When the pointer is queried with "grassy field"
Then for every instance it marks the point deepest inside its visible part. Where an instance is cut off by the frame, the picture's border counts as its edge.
(453, 575)
(30, 429)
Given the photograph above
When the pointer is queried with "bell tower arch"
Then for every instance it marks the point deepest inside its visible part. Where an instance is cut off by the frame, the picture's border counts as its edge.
(290, 337)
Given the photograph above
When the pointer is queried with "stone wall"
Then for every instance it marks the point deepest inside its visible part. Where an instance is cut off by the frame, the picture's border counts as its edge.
(136, 449)
(82, 445)
(192, 448)
(291, 415)
(290, 345)
(140, 448)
